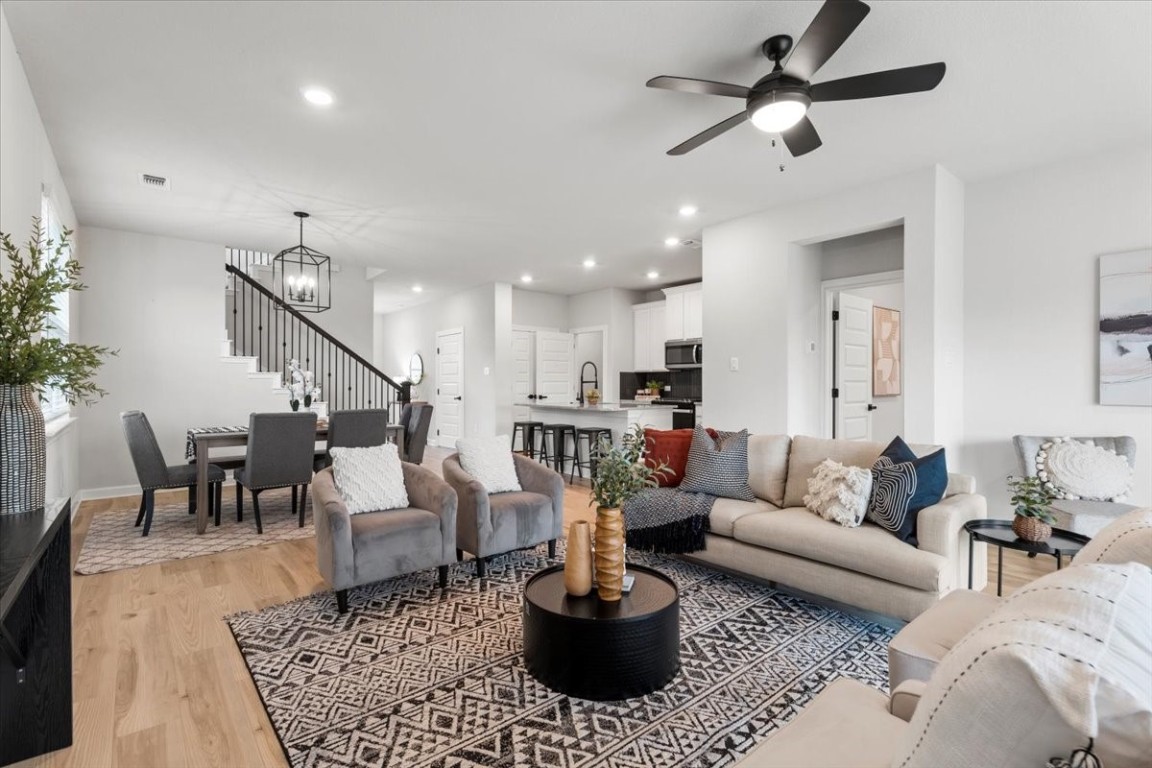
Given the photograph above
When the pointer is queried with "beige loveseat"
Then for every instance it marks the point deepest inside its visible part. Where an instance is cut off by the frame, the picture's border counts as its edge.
(777, 539)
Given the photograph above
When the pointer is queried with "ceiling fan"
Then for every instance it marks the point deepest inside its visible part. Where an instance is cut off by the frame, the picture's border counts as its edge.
(778, 102)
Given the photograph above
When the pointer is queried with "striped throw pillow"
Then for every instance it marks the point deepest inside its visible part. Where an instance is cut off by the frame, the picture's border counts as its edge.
(718, 467)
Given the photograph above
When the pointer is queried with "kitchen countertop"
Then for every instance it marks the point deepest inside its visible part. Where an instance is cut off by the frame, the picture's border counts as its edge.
(602, 407)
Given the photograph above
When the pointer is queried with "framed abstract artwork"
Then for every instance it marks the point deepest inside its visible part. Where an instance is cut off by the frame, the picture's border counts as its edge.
(887, 360)
(1126, 328)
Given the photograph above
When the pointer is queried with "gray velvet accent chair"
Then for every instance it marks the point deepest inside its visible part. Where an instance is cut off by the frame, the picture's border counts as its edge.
(281, 450)
(352, 550)
(1079, 515)
(416, 426)
(154, 474)
(354, 428)
(492, 524)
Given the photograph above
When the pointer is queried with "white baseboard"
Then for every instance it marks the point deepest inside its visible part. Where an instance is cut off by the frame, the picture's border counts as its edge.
(109, 492)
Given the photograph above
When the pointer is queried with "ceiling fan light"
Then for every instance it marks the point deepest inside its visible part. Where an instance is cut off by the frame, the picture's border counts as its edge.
(778, 116)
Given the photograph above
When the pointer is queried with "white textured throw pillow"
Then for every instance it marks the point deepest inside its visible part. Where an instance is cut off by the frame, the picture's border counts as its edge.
(369, 479)
(839, 493)
(489, 460)
(1079, 470)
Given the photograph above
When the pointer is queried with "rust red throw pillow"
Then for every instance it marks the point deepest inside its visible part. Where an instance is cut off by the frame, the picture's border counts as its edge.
(670, 446)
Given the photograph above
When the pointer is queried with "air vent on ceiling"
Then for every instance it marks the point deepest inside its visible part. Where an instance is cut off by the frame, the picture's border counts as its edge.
(155, 182)
(690, 243)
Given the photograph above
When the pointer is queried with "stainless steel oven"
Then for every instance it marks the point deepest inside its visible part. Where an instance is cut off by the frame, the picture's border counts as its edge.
(683, 353)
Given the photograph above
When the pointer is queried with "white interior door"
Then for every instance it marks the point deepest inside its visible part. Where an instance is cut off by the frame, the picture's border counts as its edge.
(523, 366)
(449, 413)
(554, 368)
(852, 402)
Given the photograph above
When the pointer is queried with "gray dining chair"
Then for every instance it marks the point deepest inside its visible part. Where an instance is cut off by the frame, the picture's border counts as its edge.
(416, 432)
(281, 449)
(354, 428)
(154, 474)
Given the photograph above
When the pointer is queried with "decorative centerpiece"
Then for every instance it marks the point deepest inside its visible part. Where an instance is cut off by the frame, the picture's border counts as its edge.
(300, 387)
(1032, 502)
(592, 397)
(654, 388)
(32, 361)
(620, 475)
(578, 559)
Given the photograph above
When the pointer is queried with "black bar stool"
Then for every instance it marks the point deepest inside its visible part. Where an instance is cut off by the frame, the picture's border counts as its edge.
(556, 455)
(592, 437)
(527, 432)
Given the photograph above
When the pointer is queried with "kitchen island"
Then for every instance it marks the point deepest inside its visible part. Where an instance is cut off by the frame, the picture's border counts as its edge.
(615, 416)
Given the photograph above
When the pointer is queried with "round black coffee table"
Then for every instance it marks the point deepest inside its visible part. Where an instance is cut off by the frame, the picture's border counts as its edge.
(592, 649)
(999, 533)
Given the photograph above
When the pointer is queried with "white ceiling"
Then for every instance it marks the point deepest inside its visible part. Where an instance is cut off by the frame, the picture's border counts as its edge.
(473, 142)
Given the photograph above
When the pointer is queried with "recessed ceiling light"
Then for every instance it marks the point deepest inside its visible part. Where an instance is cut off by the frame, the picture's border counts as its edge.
(417, 289)
(671, 241)
(589, 263)
(525, 278)
(688, 210)
(653, 274)
(318, 96)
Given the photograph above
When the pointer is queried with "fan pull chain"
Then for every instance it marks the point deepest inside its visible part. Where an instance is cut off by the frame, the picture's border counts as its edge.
(780, 153)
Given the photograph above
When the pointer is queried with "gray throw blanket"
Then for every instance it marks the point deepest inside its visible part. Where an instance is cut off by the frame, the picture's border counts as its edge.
(667, 520)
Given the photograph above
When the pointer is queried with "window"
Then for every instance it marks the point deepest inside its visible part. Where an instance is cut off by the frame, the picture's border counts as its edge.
(54, 403)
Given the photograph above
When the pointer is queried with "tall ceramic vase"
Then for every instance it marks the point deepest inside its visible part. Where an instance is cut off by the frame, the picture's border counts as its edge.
(578, 560)
(23, 458)
(609, 552)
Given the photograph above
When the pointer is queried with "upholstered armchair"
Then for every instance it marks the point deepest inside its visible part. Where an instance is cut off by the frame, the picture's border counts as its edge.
(352, 550)
(492, 524)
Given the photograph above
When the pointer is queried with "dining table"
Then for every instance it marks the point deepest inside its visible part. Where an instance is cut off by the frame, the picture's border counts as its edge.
(201, 441)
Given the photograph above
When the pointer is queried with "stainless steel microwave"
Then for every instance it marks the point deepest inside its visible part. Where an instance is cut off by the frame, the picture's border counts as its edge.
(683, 353)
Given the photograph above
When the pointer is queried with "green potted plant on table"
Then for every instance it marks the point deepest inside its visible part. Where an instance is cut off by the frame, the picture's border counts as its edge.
(32, 361)
(654, 388)
(619, 474)
(1032, 504)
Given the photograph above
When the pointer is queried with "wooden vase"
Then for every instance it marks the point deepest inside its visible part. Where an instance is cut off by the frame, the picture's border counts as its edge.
(578, 559)
(1031, 529)
(609, 553)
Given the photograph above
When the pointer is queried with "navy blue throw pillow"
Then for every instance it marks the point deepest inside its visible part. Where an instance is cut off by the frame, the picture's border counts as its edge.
(902, 485)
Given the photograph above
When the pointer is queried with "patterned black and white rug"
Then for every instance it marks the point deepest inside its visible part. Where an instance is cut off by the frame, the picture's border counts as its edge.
(415, 677)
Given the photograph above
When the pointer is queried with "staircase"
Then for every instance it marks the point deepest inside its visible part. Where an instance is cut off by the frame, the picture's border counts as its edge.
(263, 333)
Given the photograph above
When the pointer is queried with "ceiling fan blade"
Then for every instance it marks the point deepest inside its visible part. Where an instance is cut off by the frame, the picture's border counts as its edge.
(692, 85)
(709, 134)
(836, 20)
(892, 82)
(801, 138)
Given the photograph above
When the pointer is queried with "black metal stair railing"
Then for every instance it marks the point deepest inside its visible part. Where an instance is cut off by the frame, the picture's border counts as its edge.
(263, 326)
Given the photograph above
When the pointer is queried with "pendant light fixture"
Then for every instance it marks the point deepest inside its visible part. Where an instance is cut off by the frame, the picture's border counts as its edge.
(302, 277)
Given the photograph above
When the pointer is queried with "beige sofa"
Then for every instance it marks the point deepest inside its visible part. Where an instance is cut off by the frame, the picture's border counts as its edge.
(775, 538)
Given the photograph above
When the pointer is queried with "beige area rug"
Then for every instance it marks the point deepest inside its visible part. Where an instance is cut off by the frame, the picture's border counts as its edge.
(113, 542)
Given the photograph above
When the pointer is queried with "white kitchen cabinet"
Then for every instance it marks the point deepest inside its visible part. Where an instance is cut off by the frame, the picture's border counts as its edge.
(684, 313)
(648, 336)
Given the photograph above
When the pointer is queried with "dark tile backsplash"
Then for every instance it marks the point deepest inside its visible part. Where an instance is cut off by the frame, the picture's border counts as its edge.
(685, 384)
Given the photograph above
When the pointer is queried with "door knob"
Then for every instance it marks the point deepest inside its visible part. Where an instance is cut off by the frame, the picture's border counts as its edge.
(872, 407)
(458, 397)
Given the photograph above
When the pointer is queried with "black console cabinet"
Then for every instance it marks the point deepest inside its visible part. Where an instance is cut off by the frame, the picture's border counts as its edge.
(35, 632)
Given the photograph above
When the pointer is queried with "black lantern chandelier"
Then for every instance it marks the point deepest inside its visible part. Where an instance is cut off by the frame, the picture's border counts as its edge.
(302, 277)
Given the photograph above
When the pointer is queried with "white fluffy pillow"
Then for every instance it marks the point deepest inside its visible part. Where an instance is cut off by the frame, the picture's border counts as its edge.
(489, 460)
(1077, 470)
(839, 493)
(369, 479)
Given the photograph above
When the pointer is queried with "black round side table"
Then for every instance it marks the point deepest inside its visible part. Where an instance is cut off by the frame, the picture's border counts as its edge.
(604, 651)
(1000, 534)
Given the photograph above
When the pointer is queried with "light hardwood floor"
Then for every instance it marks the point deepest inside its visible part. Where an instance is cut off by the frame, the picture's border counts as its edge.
(158, 680)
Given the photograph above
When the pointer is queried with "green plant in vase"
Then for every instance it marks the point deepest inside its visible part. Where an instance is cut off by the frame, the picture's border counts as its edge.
(654, 387)
(33, 361)
(620, 473)
(1032, 504)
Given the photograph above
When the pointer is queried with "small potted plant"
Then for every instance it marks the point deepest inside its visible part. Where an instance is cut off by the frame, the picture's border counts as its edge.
(654, 388)
(592, 397)
(619, 474)
(1032, 503)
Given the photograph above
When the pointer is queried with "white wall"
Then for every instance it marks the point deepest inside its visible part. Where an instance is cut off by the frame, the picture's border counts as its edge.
(27, 170)
(611, 307)
(746, 302)
(537, 309)
(1031, 342)
(351, 316)
(159, 301)
(864, 254)
(807, 394)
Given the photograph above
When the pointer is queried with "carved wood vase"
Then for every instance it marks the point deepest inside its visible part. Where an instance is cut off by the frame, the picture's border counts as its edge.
(578, 559)
(609, 553)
